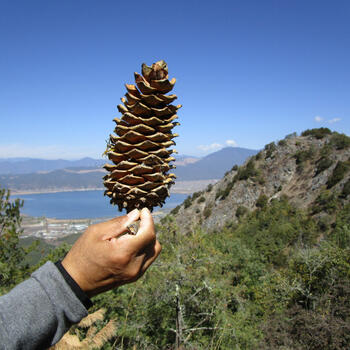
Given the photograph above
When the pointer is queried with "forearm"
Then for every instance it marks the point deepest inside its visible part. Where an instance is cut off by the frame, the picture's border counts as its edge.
(37, 312)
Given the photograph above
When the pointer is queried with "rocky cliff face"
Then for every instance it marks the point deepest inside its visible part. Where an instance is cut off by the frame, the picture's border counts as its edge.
(312, 170)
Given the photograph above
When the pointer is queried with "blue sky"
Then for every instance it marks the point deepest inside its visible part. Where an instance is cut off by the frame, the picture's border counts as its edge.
(248, 72)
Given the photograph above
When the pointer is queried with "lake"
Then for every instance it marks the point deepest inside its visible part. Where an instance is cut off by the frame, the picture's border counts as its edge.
(78, 204)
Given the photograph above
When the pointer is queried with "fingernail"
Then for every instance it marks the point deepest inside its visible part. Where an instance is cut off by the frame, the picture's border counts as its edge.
(146, 210)
(133, 215)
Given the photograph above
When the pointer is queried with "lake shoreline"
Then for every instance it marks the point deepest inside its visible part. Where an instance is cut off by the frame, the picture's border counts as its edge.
(180, 187)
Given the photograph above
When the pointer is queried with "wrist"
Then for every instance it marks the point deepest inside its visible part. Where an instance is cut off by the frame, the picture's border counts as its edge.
(76, 288)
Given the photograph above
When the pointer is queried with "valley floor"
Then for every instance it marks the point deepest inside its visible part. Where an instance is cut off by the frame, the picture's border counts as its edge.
(56, 229)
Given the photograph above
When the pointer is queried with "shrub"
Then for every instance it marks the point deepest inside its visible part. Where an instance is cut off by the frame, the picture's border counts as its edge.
(270, 148)
(235, 167)
(340, 141)
(282, 143)
(275, 228)
(341, 233)
(304, 155)
(261, 179)
(323, 164)
(323, 223)
(13, 268)
(338, 173)
(241, 211)
(346, 189)
(209, 188)
(298, 328)
(317, 133)
(291, 136)
(195, 195)
(175, 210)
(326, 150)
(207, 211)
(223, 193)
(326, 201)
(261, 201)
(188, 202)
(246, 172)
(258, 156)
(201, 199)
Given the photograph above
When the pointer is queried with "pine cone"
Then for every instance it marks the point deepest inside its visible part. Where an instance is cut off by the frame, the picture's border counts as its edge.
(139, 175)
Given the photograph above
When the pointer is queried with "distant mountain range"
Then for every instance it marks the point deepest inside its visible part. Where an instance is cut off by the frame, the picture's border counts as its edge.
(39, 175)
(31, 165)
(214, 165)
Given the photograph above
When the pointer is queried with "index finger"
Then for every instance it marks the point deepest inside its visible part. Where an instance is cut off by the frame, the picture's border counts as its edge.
(146, 233)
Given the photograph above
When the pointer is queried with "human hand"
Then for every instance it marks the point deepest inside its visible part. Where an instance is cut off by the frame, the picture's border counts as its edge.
(104, 257)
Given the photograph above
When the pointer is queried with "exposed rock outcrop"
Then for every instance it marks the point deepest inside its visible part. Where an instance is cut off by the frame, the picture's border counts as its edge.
(309, 170)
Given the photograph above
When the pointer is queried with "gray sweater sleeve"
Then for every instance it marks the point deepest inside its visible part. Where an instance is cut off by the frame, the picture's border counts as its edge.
(37, 312)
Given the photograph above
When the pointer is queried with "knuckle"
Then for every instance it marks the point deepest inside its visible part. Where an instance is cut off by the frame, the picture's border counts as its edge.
(122, 260)
(132, 273)
(153, 234)
(159, 246)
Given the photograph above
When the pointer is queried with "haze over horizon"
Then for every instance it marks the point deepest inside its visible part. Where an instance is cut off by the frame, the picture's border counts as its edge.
(247, 73)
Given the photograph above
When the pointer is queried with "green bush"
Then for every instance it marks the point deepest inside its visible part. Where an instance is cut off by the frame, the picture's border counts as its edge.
(258, 156)
(323, 164)
(326, 201)
(282, 143)
(304, 155)
(269, 149)
(12, 255)
(341, 233)
(323, 223)
(261, 180)
(262, 201)
(175, 210)
(291, 136)
(317, 133)
(346, 189)
(340, 141)
(223, 193)
(249, 171)
(201, 199)
(188, 202)
(195, 195)
(275, 228)
(207, 211)
(241, 211)
(235, 167)
(209, 188)
(338, 173)
(326, 150)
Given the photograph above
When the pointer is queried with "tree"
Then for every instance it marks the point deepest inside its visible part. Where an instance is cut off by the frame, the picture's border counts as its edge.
(12, 266)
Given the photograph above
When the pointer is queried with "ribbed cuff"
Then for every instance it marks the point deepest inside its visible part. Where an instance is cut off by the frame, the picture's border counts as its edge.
(74, 286)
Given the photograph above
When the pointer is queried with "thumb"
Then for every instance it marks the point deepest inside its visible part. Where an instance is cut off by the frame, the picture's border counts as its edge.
(146, 233)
